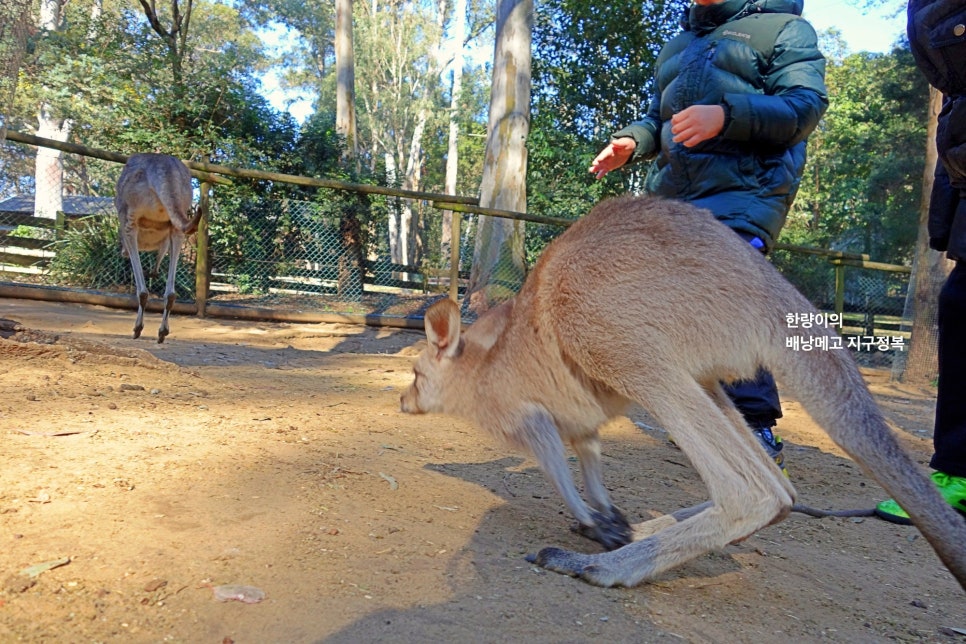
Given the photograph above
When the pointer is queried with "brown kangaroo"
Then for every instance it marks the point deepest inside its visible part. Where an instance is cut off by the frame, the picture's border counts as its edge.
(153, 201)
(654, 301)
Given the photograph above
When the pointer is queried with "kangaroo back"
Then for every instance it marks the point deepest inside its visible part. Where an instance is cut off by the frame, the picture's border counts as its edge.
(832, 391)
(156, 189)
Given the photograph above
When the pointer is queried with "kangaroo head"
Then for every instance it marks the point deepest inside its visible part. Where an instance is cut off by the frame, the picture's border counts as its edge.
(425, 394)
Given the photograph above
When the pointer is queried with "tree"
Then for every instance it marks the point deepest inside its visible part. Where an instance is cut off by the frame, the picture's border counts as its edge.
(929, 272)
(51, 124)
(345, 103)
(452, 150)
(402, 63)
(864, 160)
(498, 259)
(175, 38)
(309, 27)
(14, 25)
(351, 262)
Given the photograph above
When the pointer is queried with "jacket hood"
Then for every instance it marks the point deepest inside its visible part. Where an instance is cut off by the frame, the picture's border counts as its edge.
(703, 19)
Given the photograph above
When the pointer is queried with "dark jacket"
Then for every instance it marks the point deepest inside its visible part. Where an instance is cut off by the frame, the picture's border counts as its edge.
(760, 60)
(937, 35)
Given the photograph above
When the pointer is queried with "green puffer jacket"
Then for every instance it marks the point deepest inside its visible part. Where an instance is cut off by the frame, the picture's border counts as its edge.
(760, 60)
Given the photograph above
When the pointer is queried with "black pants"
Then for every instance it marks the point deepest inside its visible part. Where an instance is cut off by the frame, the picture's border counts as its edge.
(757, 399)
(949, 438)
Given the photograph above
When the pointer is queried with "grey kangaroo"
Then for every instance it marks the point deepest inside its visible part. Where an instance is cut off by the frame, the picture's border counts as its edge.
(153, 201)
(639, 301)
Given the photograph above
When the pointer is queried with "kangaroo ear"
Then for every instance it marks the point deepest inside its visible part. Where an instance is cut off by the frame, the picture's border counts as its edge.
(443, 328)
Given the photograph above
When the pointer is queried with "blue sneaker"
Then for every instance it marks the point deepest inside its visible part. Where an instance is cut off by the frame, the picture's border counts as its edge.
(772, 443)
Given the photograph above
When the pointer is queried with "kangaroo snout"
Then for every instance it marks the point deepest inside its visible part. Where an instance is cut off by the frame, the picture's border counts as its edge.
(407, 403)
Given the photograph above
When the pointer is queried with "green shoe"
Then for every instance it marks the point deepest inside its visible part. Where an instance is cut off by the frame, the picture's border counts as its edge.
(953, 489)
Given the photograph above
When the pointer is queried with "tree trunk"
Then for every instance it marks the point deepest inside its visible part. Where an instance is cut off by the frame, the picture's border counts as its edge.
(452, 154)
(351, 261)
(499, 266)
(929, 271)
(413, 181)
(49, 165)
(345, 111)
(176, 41)
(394, 210)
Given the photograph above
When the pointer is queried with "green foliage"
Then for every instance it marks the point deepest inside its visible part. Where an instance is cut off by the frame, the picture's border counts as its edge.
(88, 255)
(594, 62)
(862, 185)
(261, 231)
(558, 183)
(118, 88)
(250, 236)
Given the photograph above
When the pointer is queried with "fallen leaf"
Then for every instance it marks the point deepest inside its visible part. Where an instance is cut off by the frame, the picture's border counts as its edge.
(392, 482)
(234, 592)
(35, 570)
(50, 434)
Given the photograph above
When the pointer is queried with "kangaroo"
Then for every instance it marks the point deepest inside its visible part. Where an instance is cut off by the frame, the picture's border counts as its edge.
(153, 202)
(655, 302)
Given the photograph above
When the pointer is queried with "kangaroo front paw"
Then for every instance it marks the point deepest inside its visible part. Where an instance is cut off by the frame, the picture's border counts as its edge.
(611, 531)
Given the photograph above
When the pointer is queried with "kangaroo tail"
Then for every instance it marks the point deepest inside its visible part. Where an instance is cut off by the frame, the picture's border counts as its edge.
(831, 389)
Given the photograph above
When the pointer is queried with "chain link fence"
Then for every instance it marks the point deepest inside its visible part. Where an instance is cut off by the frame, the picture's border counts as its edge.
(865, 299)
(329, 252)
(293, 253)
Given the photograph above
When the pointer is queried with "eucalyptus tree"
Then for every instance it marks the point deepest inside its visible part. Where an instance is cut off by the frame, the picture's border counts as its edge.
(499, 264)
(345, 111)
(402, 51)
(49, 171)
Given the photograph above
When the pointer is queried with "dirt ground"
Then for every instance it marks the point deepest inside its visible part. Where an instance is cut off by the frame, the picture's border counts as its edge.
(146, 477)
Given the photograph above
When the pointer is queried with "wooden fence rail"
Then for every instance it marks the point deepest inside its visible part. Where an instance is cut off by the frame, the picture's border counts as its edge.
(211, 175)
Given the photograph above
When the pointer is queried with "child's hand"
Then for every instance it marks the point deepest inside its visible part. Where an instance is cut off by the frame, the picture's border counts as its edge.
(613, 156)
(697, 123)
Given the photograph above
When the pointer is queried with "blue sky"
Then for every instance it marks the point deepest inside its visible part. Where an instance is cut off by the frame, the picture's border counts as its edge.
(874, 30)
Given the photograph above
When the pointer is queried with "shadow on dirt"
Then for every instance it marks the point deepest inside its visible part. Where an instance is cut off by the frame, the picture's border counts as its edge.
(490, 574)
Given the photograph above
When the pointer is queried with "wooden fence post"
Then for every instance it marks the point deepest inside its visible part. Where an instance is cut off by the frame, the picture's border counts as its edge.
(839, 288)
(202, 266)
(454, 253)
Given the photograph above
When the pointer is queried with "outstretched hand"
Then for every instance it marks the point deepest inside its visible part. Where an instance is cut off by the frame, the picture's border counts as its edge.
(616, 154)
(697, 123)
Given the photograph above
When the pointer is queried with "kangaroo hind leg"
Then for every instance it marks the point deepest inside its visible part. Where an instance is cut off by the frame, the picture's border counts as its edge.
(747, 491)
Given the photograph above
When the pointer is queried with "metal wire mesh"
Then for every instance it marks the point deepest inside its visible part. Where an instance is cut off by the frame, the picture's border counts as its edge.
(331, 253)
(79, 246)
(866, 303)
